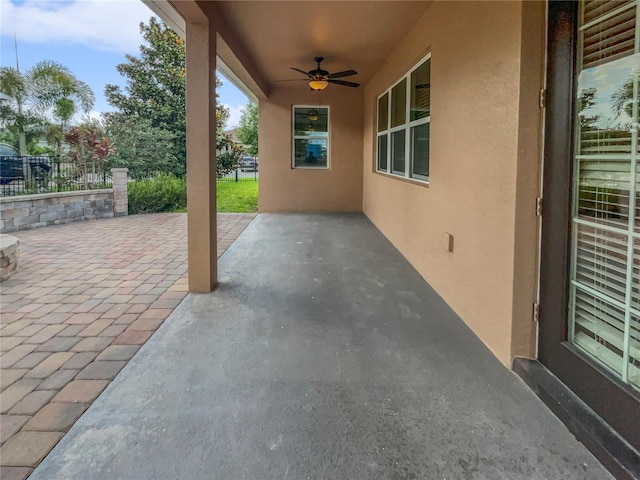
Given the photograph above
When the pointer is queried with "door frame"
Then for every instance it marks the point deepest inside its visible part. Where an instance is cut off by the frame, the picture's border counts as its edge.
(617, 403)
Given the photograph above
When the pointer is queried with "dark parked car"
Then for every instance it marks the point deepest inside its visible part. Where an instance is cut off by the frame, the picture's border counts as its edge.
(249, 164)
(7, 150)
(13, 166)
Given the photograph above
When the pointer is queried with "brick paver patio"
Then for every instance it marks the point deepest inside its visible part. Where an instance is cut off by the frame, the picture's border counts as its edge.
(86, 297)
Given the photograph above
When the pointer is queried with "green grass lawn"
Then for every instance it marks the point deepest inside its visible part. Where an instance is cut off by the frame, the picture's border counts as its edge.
(235, 197)
(238, 197)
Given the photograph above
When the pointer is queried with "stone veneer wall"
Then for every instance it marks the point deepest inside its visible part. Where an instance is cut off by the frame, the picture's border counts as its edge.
(120, 191)
(32, 211)
(8, 256)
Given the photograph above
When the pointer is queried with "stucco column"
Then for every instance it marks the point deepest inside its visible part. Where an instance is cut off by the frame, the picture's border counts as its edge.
(120, 194)
(201, 157)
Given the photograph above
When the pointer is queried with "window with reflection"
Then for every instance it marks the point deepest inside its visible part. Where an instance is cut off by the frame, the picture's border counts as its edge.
(383, 134)
(604, 310)
(311, 137)
(404, 117)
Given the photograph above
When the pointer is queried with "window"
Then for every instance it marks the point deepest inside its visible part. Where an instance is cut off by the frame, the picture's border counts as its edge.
(310, 137)
(404, 116)
(604, 307)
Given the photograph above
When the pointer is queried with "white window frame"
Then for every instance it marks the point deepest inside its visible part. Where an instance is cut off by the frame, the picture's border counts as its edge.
(308, 137)
(407, 126)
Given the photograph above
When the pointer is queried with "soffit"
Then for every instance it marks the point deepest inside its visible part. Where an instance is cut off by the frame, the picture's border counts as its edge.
(349, 35)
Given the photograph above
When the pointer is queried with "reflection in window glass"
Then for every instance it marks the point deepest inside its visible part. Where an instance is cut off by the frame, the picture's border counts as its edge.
(383, 112)
(398, 151)
(421, 91)
(605, 118)
(311, 153)
(382, 152)
(637, 225)
(420, 150)
(311, 137)
(399, 104)
(310, 120)
(603, 320)
(403, 125)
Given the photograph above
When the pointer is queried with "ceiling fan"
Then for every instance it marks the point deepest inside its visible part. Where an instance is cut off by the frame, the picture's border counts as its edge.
(319, 79)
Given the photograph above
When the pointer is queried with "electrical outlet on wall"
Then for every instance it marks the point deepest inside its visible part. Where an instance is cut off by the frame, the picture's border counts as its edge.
(449, 241)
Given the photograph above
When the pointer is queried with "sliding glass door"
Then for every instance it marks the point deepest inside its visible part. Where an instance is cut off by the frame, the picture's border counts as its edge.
(590, 263)
(604, 316)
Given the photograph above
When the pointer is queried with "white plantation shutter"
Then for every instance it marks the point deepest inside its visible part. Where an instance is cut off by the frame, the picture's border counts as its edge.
(601, 261)
(608, 31)
(635, 281)
(604, 319)
(604, 190)
(608, 143)
(634, 368)
(637, 215)
(596, 9)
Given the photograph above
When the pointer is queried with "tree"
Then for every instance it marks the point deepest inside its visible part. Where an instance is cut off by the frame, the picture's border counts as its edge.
(155, 96)
(227, 152)
(14, 85)
(32, 128)
(89, 150)
(248, 130)
(47, 86)
(53, 86)
(622, 98)
(64, 109)
(144, 149)
(155, 90)
(587, 100)
(54, 137)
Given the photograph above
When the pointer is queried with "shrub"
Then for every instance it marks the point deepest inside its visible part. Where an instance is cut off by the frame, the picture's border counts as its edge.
(162, 193)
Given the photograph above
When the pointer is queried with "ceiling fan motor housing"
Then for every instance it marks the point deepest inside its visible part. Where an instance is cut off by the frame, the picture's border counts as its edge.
(319, 78)
(318, 73)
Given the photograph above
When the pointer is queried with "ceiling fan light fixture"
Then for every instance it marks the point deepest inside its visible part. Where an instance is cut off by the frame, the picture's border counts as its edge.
(318, 84)
(320, 79)
(313, 115)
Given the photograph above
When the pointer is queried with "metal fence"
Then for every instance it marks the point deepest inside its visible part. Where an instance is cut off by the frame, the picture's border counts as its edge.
(25, 175)
(239, 175)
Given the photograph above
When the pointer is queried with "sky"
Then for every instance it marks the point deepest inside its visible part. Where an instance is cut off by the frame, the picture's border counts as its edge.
(90, 37)
(606, 79)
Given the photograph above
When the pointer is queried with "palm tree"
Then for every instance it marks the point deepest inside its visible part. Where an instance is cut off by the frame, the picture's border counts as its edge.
(50, 82)
(13, 84)
(64, 109)
(48, 86)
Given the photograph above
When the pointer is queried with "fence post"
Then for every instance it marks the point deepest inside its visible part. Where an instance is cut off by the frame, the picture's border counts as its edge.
(236, 174)
(120, 198)
(56, 175)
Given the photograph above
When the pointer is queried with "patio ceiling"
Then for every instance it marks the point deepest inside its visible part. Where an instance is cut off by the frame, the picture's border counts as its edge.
(349, 35)
(266, 38)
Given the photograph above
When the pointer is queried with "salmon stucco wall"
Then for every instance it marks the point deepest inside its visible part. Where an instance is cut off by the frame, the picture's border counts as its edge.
(285, 189)
(484, 165)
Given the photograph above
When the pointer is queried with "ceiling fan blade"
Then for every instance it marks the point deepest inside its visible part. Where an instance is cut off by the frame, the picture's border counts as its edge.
(301, 71)
(346, 73)
(346, 84)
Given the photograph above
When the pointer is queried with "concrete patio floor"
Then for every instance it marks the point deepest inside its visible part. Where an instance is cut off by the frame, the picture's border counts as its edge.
(322, 354)
(87, 295)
